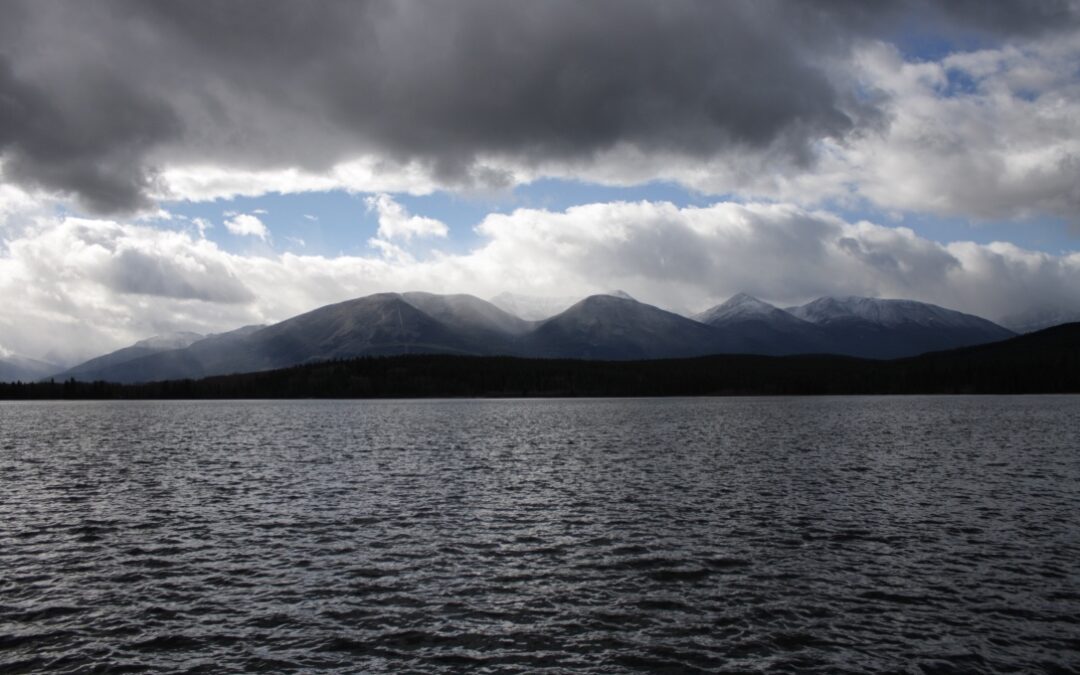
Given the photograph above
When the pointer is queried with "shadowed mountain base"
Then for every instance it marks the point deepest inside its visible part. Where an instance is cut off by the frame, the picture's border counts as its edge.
(1043, 362)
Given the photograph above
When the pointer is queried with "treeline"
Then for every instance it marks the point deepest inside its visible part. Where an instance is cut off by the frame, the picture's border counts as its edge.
(1044, 362)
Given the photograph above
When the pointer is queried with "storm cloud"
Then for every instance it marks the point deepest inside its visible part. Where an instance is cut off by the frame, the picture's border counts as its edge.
(97, 99)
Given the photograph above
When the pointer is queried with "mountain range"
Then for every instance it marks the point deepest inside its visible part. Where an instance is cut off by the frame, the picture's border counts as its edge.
(600, 327)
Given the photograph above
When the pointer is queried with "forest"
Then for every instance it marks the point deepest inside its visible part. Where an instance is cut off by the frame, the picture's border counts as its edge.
(1044, 362)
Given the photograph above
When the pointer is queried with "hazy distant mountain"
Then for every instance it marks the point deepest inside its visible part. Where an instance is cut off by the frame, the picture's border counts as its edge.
(609, 326)
(153, 345)
(750, 326)
(141, 363)
(21, 369)
(618, 328)
(1038, 319)
(875, 328)
(531, 307)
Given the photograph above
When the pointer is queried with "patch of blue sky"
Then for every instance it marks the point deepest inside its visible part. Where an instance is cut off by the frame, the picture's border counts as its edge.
(338, 223)
(917, 42)
(958, 83)
(1049, 235)
(462, 213)
(327, 223)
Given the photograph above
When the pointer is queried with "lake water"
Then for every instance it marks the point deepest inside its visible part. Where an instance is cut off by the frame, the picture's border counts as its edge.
(674, 535)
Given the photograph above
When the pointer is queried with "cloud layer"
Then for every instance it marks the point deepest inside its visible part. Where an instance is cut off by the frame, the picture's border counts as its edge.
(137, 100)
(75, 287)
(781, 109)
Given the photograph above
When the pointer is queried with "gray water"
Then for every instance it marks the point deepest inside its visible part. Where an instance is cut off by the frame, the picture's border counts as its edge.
(677, 535)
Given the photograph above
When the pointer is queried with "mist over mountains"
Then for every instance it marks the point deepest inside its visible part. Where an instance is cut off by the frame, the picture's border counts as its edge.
(19, 368)
(600, 327)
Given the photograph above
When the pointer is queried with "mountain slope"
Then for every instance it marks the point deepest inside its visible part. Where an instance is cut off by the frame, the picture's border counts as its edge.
(381, 324)
(617, 328)
(199, 359)
(469, 314)
(749, 326)
(154, 345)
(875, 328)
(599, 327)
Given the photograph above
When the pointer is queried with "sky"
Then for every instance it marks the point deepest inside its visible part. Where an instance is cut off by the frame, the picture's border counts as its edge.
(169, 166)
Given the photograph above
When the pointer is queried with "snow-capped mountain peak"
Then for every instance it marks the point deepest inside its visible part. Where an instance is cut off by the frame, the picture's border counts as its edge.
(741, 306)
(884, 312)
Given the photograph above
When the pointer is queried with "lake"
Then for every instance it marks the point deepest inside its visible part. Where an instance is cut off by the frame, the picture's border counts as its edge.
(921, 534)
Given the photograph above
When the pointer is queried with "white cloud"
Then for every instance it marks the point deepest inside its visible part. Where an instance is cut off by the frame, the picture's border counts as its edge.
(397, 223)
(993, 134)
(363, 174)
(76, 287)
(202, 224)
(247, 225)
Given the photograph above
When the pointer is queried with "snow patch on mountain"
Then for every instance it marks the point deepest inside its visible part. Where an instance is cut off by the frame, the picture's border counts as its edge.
(883, 312)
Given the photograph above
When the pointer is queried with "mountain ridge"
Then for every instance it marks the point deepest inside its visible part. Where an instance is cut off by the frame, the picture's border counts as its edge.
(610, 326)
(1044, 362)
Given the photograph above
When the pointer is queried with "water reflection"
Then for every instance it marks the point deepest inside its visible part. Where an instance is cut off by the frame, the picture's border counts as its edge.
(785, 535)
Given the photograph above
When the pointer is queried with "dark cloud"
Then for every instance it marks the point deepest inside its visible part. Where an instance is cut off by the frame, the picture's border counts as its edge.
(142, 273)
(90, 140)
(1011, 17)
(95, 95)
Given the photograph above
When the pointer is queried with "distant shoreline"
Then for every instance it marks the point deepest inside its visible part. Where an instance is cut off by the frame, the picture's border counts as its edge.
(1047, 362)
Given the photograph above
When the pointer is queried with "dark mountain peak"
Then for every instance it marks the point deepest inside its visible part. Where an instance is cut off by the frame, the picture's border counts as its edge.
(381, 315)
(612, 307)
(609, 327)
(605, 300)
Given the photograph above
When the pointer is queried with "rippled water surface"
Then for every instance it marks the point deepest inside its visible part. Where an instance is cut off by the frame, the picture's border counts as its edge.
(713, 535)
